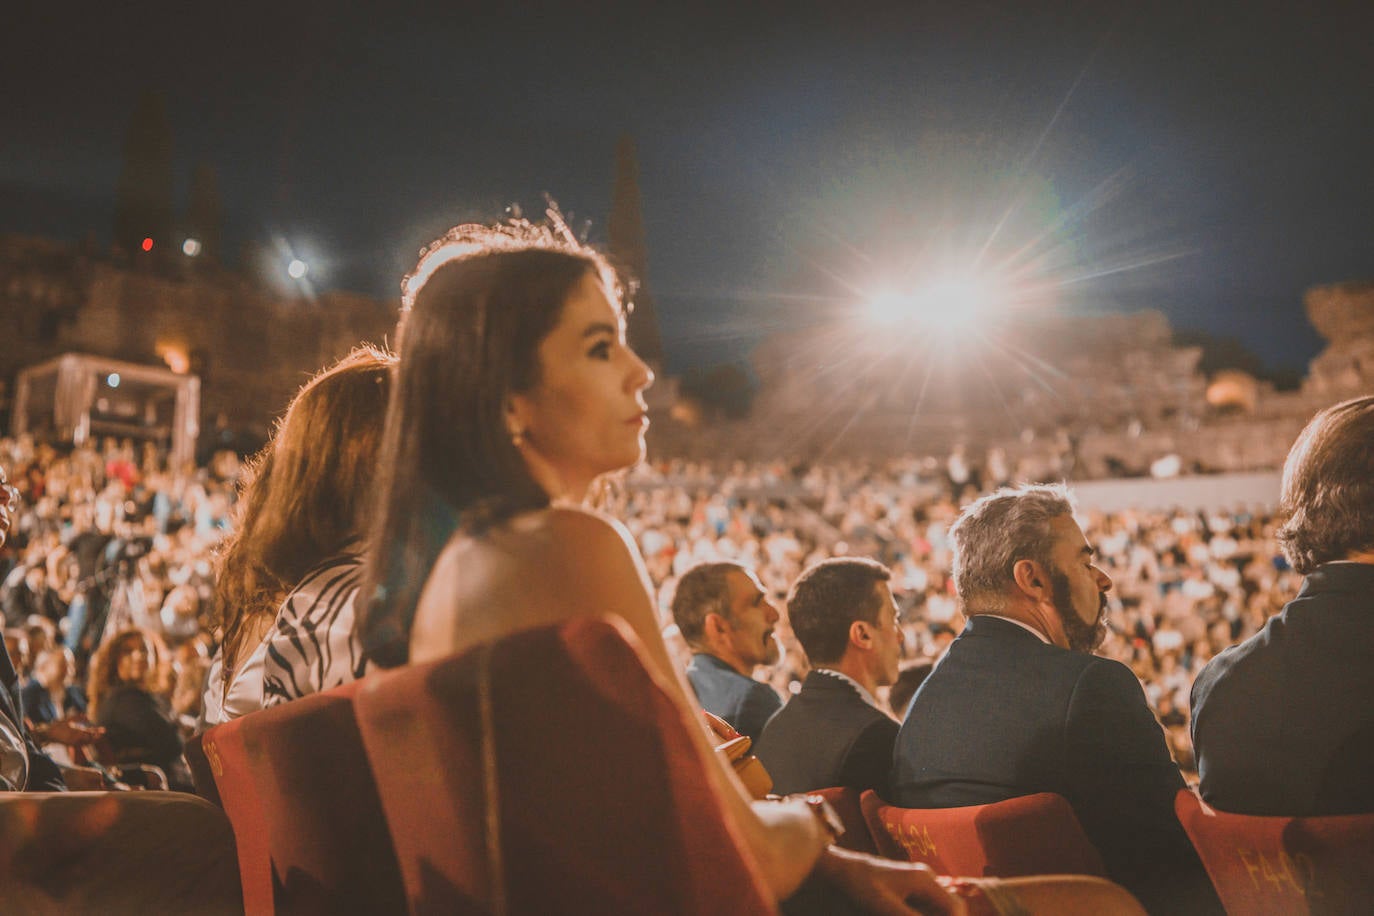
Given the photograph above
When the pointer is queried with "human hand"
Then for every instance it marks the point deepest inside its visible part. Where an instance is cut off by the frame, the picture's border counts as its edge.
(69, 732)
(887, 888)
(721, 729)
(90, 779)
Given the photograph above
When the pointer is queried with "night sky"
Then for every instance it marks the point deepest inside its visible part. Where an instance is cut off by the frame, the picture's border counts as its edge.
(1210, 161)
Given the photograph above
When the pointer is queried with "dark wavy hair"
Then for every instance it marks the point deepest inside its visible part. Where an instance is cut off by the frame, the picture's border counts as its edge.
(302, 498)
(467, 341)
(1328, 487)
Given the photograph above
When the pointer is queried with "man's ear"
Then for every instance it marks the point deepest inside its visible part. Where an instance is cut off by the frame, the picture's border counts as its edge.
(861, 634)
(715, 626)
(1031, 579)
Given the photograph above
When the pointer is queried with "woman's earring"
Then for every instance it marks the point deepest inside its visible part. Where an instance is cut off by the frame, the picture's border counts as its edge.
(517, 438)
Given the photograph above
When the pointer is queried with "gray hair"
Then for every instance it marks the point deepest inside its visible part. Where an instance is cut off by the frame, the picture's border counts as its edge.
(996, 531)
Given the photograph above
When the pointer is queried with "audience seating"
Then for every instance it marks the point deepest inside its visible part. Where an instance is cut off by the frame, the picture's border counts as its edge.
(551, 772)
(325, 845)
(116, 854)
(228, 761)
(846, 803)
(1031, 835)
(1277, 866)
(202, 775)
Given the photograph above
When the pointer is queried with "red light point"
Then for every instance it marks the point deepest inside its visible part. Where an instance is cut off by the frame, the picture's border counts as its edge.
(148, 244)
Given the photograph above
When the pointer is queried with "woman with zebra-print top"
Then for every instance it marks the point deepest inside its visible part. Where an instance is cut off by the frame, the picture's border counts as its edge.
(287, 574)
(313, 646)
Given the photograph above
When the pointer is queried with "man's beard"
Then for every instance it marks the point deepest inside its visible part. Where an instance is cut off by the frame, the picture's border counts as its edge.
(1083, 637)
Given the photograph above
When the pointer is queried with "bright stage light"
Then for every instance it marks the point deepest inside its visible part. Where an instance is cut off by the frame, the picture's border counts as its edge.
(297, 269)
(191, 247)
(950, 302)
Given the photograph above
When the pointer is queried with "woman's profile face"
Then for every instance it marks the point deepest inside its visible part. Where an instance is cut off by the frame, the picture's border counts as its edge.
(132, 664)
(586, 414)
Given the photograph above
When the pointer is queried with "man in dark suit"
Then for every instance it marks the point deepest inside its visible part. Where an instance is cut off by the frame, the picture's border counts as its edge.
(726, 618)
(1019, 704)
(1283, 723)
(834, 733)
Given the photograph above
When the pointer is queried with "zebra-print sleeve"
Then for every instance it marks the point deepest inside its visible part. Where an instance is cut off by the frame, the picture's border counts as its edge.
(312, 646)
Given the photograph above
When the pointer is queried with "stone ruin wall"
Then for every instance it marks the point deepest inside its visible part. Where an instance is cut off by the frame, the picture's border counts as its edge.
(1126, 394)
(251, 345)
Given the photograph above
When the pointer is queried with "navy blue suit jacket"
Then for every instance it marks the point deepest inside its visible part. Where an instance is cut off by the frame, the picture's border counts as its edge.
(1284, 722)
(742, 701)
(1004, 714)
(827, 736)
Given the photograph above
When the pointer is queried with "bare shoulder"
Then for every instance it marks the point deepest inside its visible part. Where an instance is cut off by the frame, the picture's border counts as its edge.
(584, 529)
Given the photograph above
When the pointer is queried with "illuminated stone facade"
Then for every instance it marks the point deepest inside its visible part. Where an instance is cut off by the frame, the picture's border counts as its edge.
(251, 345)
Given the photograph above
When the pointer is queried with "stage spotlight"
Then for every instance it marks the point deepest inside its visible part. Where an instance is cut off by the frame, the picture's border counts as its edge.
(297, 269)
(951, 302)
(190, 247)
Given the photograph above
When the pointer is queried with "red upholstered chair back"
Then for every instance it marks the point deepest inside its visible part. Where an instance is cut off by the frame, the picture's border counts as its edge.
(1283, 865)
(116, 853)
(314, 808)
(550, 772)
(201, 773)
(228, 762)
(1030, 835)
(845, 801)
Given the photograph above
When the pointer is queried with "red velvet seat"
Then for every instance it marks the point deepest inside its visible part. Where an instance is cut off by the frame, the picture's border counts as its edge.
(583, 793)
(89, 853)
(1031, 835)
(202, 775)
(845, 801)
(228, 762)
(1283, 865)
(327, 849)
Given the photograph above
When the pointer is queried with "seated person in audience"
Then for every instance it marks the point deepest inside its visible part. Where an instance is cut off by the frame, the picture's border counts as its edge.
(725, 617)
(1283, 723)
(126, 692)
(516, 391)
(289, 571)
(834, 733)
(22, 765)
(909, 680)
(1020, 704)
(32, 596)
(50, 694)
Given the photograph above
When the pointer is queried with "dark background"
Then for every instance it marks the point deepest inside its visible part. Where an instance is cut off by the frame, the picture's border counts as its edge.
(1212, 161)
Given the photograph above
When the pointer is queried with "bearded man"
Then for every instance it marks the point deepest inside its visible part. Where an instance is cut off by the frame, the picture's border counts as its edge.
(1020, 704)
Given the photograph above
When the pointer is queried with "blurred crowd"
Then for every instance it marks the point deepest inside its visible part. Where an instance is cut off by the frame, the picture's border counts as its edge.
(107, 541)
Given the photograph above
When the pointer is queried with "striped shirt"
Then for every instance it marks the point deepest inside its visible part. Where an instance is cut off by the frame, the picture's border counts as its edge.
(313, 646)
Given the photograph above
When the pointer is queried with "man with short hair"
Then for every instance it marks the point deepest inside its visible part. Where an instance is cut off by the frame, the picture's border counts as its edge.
(1283, 724)
(725, 617)
(834, 733)
(1020, 705)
